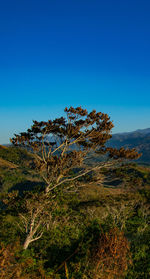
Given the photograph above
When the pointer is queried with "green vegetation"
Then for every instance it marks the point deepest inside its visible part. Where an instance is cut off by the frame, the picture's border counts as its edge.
(67, 247)
(18, 156)
(94, 226)
(17, 170)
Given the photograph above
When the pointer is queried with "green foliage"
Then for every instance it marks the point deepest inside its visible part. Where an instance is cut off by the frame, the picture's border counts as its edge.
(140, 249)
(19, 175)
(66, 247)
(11, 177)
(15, 155)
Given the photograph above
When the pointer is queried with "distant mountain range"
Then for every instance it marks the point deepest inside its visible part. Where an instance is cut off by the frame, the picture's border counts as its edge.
(139, 139)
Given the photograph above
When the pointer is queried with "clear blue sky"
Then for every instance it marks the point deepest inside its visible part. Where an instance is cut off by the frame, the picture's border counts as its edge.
(91, 53)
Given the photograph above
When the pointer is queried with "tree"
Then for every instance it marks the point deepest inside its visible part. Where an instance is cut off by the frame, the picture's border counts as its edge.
(36, 214)
(34, 211)
(112, 255)
(59, 146)
(63, 144)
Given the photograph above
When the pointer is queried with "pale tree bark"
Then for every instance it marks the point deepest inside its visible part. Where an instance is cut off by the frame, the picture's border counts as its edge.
(83, 173)
(30, 239)
(36, 216)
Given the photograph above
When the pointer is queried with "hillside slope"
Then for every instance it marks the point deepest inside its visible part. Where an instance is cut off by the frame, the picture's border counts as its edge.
(139, 139)
(17, 169)
(4, 163)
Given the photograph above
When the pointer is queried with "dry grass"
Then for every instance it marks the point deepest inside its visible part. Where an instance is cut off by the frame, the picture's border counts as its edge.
(4, 163)
(3, 147)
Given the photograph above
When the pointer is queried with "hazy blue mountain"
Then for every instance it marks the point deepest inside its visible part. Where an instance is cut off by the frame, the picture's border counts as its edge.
(139, 139)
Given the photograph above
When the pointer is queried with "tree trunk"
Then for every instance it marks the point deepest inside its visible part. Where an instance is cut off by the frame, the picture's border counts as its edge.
(27, 242)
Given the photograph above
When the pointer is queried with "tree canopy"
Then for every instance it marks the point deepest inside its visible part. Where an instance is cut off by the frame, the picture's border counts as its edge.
(62, 144)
